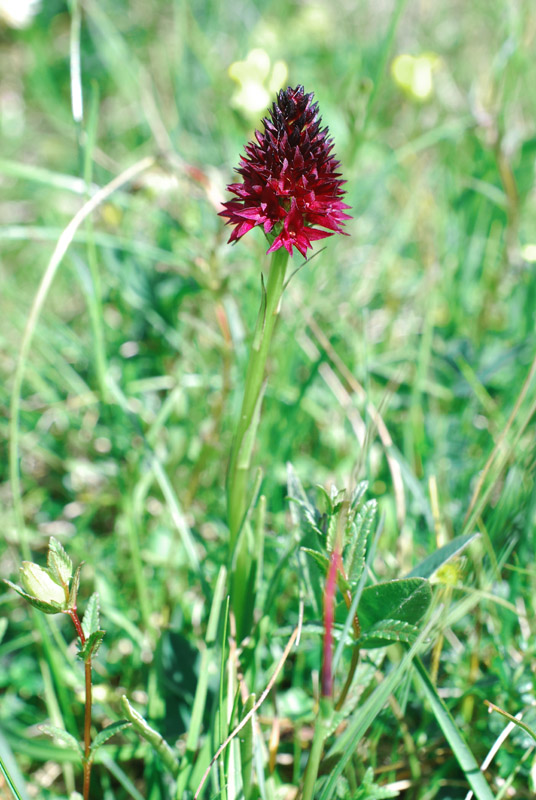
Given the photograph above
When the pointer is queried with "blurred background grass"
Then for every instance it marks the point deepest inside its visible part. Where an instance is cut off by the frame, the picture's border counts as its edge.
(427, 311)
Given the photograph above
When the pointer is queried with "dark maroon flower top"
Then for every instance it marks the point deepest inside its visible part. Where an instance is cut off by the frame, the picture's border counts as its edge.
(290, 182)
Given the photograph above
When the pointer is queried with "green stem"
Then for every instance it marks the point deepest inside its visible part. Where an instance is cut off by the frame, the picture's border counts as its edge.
(323, 722)
(87, 731)
(249, 414)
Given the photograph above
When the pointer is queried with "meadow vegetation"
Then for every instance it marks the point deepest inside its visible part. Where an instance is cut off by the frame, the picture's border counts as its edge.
(399, 410)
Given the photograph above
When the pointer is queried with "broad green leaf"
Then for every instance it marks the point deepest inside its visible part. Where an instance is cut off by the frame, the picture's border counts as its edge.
(90, 622)
(406, 599)
(432, 563)
(91, 646)
(106, 734)
(62, 737)
(59, 563)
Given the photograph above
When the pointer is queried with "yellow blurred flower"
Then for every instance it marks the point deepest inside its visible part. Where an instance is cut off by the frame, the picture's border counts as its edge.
(414, 74)
(258, 80)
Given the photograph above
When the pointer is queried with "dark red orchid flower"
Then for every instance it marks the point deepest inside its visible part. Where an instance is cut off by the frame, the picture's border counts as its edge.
(290, 184)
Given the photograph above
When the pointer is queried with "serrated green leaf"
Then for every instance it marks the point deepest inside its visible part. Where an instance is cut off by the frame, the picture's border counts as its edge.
(90, 622)
(358, 494)
(431, 564)
(62, 737)
(321, 559)
(75, 583)
(47, 608)
(106, 734)
(326, 496)
(368, 790)
(318, 629)
(59, 563)
(386, 632)
(406, 599)
(323, 562)
(300, 502)
(91, 645)
(360, 533)
(331, 533)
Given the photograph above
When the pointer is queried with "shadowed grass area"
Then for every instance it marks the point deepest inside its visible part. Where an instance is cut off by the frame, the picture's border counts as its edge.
(404, 356)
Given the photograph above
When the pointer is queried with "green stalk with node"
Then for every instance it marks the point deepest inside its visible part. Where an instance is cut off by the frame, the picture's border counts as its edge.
(290, 185)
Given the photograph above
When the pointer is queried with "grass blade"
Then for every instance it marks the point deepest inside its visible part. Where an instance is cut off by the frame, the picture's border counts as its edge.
(459, 746)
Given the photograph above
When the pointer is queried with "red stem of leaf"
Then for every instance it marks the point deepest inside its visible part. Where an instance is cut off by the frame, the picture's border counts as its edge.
(76, 622)
(87, 711)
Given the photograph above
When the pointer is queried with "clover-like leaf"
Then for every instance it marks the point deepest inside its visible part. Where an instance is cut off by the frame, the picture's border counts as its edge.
(406, 599)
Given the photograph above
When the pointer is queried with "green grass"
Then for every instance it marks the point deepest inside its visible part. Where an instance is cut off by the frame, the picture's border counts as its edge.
(121, 380)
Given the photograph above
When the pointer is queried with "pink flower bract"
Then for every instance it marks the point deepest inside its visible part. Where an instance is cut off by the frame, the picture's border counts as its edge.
(290, 184)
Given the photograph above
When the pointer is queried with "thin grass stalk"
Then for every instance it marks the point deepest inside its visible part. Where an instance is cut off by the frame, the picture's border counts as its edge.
(60, 250)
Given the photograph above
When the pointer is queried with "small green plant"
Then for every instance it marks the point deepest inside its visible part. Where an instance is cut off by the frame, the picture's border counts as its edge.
(54, 590)
(376, 616)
